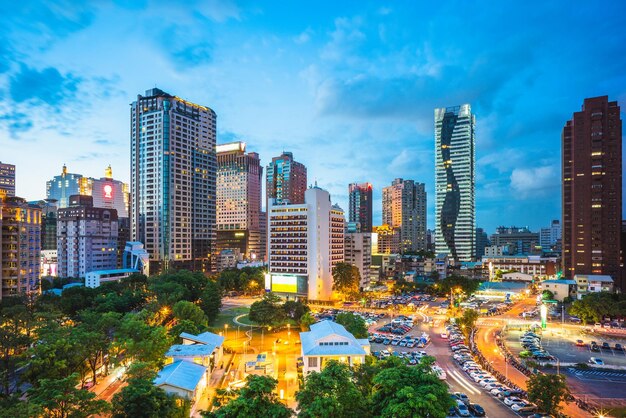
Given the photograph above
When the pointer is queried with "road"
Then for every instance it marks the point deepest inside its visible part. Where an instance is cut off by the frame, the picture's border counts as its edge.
(486, 344)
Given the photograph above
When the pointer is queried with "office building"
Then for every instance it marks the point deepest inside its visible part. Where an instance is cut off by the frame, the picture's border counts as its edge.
(239, 180)
(360, 206)
(7, 180)
(61, 187)
(173, 174)
(86, 238)
(385, 240)
(358, 252)
(518, 240)
(305, 241)
(286, 180)
(404, 208)
(48, 223)
(455, 210)
(20, 247)
(549, 237)
(592, 191)
(482, 241)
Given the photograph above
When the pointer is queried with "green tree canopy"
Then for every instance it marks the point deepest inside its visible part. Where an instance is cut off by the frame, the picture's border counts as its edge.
(353, 323)
(594, 306)
(400, 391)
(255, 400)
(211, 300)
(306, 321)
(59, 398)
(346, 280)
(142, 341)
(141, 399)
(547, 391)
(267, 311)
(332, 393)
(295, 309)
(467, 321)
(188, 311)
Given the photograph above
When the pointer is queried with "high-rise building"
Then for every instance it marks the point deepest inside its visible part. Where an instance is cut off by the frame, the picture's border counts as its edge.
(518, 240)
(358, 252)
(239, 179)
(550, 236)
(173, 174)
(7, 180)
(360, 206)
(106, 192)
(61, 187)
(455, 210)
(482, 241)
(48, 223)
(20, 247)
(305, 241)
(592, 190)
(86, 238)
(286, 180)
(404, 208)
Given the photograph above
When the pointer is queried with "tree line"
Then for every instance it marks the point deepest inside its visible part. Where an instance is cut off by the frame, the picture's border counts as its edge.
(54, 347)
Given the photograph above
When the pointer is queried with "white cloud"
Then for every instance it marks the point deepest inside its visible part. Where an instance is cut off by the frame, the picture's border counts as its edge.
(534, 182)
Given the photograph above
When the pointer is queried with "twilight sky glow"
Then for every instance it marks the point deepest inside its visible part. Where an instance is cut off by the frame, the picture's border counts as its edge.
(348, 87)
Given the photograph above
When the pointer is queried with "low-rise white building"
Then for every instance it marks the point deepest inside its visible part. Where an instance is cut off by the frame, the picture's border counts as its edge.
(94, 279)
(560, 288)
(586, 283)
(205, 349)
(328, 340)
(183, 378)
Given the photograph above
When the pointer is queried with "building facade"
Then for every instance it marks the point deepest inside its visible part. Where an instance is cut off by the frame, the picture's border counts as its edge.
(20, 247)
(534, 265)
(360, 206)
(305, 241)
(286, 180)
(358, 252)
(482, 242)
(549, 237)
(517, 240)
(173, 175)
(385, 240)
(61, 187)
(592, 190)
(86, 238)
(7, 180)
(239, 179)
(404, 208)
(455, 207)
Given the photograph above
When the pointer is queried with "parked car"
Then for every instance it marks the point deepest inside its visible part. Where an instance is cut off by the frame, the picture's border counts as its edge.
(580, 343)
(596, 361)
(618, 347)
(476, 409)
(512, 400)
(606, 346)
(462, 409)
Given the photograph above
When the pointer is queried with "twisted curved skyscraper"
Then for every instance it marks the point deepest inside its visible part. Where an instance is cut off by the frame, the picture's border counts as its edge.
(455, 215)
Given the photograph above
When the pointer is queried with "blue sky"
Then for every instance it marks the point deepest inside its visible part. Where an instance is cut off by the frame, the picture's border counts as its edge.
(348, 87)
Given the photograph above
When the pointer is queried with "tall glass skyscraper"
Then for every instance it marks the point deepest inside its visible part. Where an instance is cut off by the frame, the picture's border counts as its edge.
(173, 174)
(360, 206)
(455, 215)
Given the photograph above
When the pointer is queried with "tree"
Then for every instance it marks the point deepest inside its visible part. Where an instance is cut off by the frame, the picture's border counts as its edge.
(142, 341)
(402, 391)
(443, 287)
(547, 391)
(295, 309)
(255, 400)
(142, 399)
(14, 340)
(76, 299)
(594, 306)
(188, 311)
(306, 321)
(331, 393)
(467, 321)
(184, 326)
(346, 279)
(211, 300)
(547, 295)
(353, 323)
(60, 399)
(267, 311)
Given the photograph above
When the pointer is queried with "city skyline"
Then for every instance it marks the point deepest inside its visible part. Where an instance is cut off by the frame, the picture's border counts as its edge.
(350, 93)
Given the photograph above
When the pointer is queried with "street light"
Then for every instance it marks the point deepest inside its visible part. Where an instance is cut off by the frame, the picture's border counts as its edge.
(225, 328)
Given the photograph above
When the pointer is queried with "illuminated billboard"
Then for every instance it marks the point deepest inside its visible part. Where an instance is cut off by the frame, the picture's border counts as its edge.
(108, 191)
(284, 284)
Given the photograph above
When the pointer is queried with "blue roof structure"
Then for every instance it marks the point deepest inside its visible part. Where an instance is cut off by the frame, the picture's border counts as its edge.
(560, 281)
(181, 374)
(207, 338)
(327, 338)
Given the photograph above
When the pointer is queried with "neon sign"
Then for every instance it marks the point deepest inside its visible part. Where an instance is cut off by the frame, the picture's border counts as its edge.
(108, 191)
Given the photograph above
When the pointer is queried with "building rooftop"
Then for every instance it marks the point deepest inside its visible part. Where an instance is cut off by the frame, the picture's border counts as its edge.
(595, 277)
(113, 271)
(190, 350)
(502, 286)
(181, 374)
(560, 281)
(207, 338)
(331, 333)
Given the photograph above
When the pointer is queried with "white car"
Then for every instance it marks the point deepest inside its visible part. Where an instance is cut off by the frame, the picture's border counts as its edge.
(444, 335)
(485, 382)
(512, 400)
(522, 406)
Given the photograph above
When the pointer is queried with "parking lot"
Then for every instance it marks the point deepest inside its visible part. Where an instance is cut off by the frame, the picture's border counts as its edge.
(562, 345)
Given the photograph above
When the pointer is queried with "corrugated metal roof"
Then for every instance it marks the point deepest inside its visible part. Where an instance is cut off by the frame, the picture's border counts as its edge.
(181, 374)
(325, 330)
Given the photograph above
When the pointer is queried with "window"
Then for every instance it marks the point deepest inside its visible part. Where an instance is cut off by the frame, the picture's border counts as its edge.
(312, 362)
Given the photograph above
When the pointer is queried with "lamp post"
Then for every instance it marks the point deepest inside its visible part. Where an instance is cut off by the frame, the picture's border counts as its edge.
(289, 333)
(225, 329)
